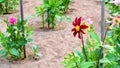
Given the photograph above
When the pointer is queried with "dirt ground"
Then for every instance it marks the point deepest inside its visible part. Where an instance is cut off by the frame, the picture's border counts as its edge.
(54, 44)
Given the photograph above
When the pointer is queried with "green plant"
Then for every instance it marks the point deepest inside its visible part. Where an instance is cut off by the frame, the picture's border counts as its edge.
(7, 5)
(113, 6)
(40, 11)
(64, 5)
(13, 40)
(99, 54)
(35, 50)
(54, 12)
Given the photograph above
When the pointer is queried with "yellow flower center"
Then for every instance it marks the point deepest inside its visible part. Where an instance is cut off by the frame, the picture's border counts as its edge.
(77, 28)
(116, 20)
(82, 22)
(88, 24)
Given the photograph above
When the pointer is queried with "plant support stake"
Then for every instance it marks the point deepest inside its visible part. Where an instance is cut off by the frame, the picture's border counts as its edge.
(102, 31)
(102, 19)
(21, 13)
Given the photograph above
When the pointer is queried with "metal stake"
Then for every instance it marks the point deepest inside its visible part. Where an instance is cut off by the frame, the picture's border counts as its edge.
(102, 19)
(102, 31)
(22, 19)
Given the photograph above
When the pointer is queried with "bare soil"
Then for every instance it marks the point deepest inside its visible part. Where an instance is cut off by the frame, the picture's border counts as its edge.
(54, 44)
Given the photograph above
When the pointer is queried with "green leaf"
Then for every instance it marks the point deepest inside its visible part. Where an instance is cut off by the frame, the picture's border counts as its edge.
(94, 36)
(12, 44)
(77, 52)
(86, 64)
(97, 52)
(24, 22)
(111, 57)
(109, 33)
(4, 53)
(39, 54)
(117, 48)
(112, 66)
(111, 48)
(30, 40)
(15, 52)
(88, 43)
(59, 17)
(105, 60)
(34, 48)
(31, 16)
(67, 18)
(1, 1)
(75, 59)
(23, 41)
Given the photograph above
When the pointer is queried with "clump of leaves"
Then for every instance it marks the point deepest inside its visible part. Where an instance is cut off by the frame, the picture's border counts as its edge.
(51, 8)
(7, 5)
(113, 6)
(40, 11)
(36, 51)
(64, 5)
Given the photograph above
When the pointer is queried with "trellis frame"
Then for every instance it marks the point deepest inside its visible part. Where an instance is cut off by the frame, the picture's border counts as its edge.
(102, 20)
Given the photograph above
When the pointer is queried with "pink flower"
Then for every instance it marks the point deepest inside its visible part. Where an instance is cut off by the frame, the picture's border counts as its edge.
(89, 21)
(116, 2)
(116, 20)
(13, 20)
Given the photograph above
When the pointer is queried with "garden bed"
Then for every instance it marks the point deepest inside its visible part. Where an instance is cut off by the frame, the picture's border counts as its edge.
(54, 44)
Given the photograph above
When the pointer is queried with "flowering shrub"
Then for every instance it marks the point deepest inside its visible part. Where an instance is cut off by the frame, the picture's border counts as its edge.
(14, 40)
(95, 53)
(113, 37)
(114, 20)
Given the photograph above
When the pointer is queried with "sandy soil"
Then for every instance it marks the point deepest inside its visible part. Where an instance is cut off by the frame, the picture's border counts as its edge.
(54, 44)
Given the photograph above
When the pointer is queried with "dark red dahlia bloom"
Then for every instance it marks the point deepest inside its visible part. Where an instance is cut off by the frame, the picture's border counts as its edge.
(79, 27)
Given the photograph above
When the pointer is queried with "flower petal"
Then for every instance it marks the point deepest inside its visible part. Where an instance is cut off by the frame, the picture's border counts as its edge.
(79, 21)
(75, 33)
(82, 31)
(89, 21)
(76, 20)
(79, 35)
(74, 23)
(83, 26)
(73, 29)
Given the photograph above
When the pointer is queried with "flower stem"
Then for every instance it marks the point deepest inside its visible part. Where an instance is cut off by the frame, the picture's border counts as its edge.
(75, 62)
(84, 48)
(6, 7)
(48, 14)
(43, 21)
(100, 55)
